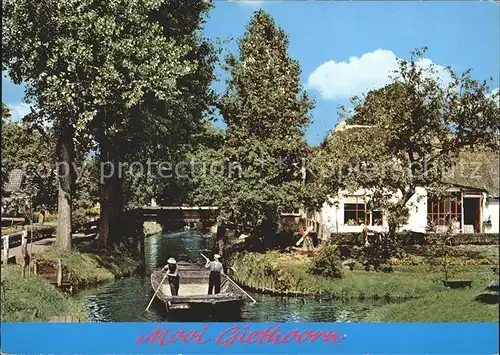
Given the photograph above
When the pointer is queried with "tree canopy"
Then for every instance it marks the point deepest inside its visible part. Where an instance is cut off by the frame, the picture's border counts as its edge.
(266, 112)
(417, 128)
(89, 67)
(32, 151)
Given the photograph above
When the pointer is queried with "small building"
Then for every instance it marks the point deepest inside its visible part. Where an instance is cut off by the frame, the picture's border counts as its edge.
(13, 184)
(471, 206)
(468, 209)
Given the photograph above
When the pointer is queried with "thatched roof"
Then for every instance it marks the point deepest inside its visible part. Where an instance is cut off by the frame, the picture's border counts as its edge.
(479, 170)
(15, 180)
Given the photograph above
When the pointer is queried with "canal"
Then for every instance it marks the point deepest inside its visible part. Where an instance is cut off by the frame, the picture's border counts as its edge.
(125, 300)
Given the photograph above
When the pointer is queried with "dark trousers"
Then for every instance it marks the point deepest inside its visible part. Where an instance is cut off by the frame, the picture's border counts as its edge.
(174, 285)
(214, 281)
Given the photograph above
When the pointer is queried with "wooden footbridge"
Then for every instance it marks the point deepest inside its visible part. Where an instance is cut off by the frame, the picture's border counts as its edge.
(178, 213)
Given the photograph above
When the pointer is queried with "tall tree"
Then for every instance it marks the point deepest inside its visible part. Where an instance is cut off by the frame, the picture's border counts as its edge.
(419, 126)
(88, 63)
(170, 129)
(266, 112)
(32, 151)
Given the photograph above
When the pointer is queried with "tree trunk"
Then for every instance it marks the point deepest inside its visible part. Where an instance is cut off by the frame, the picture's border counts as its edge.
(111, 207)
(65, 186)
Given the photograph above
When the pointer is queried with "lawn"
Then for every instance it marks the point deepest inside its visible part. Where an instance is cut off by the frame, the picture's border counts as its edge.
(289, 272)
(443, 306)
(33, 299)
(420, 286)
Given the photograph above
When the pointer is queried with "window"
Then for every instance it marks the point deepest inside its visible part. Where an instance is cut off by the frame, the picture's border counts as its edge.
(442, 212)
(376, 218)
(355, 213)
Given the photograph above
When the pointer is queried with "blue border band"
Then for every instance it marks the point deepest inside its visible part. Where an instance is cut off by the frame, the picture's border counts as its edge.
(249, 338)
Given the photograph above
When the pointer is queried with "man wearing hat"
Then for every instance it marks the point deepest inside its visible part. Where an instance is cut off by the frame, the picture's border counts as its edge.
(216, 269)
(173, 276)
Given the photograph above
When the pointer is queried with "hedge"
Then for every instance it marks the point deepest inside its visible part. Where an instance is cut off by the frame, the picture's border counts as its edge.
(410, 238)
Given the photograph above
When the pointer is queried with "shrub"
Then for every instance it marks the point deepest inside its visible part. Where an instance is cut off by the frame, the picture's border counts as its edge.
(386, 268)
(327, 262)
(81, 216)
(412, 239)
(380, 250)
(347, 238)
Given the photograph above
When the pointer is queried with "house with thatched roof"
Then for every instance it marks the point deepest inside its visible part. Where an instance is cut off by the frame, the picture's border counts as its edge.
(471, 206)
(14, 183)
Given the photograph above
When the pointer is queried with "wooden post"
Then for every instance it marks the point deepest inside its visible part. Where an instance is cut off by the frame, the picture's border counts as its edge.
(24, 251)
(31, 239)
(480, 217)
(5, 249)
(59, 272)
(462, 227)
(35, 268)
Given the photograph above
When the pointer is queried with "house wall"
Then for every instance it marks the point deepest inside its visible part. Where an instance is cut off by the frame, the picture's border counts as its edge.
(492, 212)
(417, 220)
(333, 215)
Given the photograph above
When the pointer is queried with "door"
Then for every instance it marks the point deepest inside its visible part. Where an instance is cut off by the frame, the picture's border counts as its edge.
(472, 210)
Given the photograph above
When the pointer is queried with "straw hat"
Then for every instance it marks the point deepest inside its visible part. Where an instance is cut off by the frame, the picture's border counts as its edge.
(171, 261)
(216, 256)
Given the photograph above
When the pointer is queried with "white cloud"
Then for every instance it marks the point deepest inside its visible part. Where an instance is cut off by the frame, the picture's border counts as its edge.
(494, 95)
(249, 3)
(370, 71)
(18, 111)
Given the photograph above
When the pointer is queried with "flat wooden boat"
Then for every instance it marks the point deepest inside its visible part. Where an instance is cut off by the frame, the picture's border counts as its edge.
(193, 294)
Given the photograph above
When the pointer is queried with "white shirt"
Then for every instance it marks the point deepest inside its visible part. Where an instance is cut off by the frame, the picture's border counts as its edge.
(215, 266)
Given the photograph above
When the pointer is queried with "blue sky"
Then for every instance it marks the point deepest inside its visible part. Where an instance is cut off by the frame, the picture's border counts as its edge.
(347, 48)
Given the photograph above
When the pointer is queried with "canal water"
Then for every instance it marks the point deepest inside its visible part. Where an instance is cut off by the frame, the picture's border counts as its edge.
(125, 300)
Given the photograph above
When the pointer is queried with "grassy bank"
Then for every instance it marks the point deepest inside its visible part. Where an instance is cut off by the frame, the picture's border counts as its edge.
(289, 273)
(443, 306)
(34, 299)
(92, 264)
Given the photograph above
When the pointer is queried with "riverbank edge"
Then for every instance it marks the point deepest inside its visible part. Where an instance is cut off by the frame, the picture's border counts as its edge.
(34, 299)
(262, 266)
(92, 267)
(262, 272)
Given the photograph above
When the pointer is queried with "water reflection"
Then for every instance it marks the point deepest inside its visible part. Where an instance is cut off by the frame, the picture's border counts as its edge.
(125, 300)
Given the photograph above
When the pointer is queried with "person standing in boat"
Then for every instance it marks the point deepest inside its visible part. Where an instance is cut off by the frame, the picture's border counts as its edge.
(216, 270)
(173, 276)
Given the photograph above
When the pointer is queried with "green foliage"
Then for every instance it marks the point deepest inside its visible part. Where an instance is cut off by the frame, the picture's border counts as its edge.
(259, 270)
(81, 216)
(32, 150)
(418, 127)
(107, 73)
(78, 58)
(266, 112)
(327, 262)
(170, 130)
(409, 238)
(5, 111)
(33, 299)
(92, 265)
(378, 252)
(87, 185)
